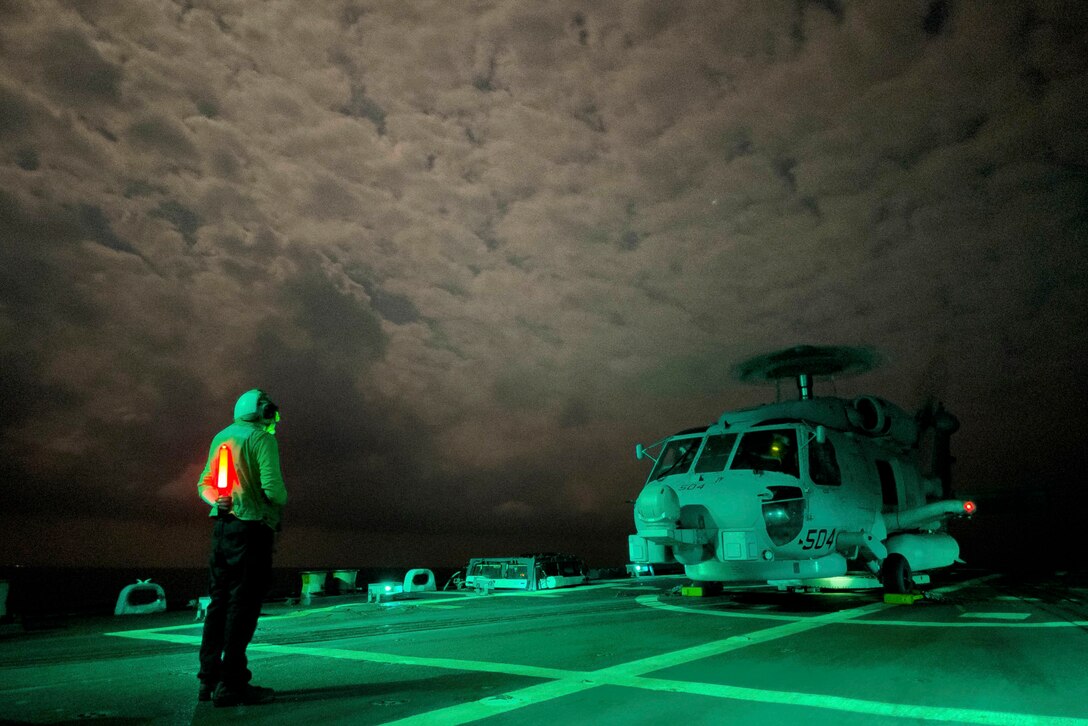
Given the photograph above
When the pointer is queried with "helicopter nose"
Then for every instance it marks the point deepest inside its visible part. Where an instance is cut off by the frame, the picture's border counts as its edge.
(657, 504)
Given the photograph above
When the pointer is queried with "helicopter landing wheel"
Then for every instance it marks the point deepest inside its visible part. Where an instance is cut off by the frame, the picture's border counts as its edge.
(895, 574)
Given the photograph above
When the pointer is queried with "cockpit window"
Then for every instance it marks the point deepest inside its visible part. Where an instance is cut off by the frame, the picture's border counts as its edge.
(715, 453)
(770, 450)
(823, 467)
(676, 457)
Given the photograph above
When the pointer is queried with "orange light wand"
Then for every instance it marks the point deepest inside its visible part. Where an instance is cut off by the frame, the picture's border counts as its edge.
(226, 477)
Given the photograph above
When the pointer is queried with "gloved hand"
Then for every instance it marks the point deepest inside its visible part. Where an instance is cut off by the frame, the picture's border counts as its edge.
(223, 503)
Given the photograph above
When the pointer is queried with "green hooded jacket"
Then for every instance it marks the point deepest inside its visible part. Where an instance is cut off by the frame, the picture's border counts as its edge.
(260, 492)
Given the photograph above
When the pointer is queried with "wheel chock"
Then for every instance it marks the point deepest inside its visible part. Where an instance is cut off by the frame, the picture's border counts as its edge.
(704, 590)
(906, 598)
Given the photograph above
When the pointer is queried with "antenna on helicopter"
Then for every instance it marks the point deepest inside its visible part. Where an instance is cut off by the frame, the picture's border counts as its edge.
(804, 363)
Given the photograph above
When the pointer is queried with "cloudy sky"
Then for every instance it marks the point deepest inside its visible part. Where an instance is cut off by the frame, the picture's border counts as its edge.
(477, 250)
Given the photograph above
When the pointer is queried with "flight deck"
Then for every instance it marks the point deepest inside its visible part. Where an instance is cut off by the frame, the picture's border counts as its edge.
(980, 649)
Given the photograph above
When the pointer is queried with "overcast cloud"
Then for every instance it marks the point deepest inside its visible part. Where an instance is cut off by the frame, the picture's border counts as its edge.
(477, 250)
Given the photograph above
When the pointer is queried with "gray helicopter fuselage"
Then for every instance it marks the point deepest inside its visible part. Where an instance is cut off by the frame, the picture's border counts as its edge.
(792, 491)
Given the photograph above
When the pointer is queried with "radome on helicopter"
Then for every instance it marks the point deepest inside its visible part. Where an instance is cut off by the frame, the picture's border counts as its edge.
(797, 492)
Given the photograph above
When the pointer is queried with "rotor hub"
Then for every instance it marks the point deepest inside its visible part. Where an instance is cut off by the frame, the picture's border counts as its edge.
(803, 363)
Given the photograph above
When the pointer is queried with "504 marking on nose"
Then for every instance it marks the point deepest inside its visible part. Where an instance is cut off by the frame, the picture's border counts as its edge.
(816, 539)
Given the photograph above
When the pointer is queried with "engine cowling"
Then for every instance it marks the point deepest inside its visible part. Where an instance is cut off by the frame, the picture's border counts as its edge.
(878, 417)
(871, 415)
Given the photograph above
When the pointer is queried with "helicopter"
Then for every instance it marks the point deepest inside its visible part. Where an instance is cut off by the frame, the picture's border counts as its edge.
(798, 493)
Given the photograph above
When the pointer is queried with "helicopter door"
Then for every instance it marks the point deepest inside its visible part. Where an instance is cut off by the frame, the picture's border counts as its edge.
(823, 465)
(888, 486)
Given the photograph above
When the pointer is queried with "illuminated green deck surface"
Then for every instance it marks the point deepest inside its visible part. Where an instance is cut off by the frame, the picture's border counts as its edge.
(995, 652)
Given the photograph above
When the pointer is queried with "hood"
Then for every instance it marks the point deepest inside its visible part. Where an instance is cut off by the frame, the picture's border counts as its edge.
(248, 405)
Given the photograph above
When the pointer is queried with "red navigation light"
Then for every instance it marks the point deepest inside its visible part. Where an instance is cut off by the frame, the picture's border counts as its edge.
(225, 475)
(968, 507)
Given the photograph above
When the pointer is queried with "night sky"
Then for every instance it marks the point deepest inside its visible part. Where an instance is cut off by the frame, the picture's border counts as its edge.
(478, 250)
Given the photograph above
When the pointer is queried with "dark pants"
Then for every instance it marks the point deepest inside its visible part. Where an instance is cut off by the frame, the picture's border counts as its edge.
(241, 572)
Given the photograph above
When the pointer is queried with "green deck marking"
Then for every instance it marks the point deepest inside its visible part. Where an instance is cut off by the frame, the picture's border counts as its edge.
(854, 705)
(563, 682)
(705, 650)
(493, 705)
(654, 601)
(1002, 619)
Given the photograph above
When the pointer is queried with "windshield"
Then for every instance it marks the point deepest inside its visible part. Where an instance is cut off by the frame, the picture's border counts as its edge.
(715, 453)
(770, 450)
(676, 457)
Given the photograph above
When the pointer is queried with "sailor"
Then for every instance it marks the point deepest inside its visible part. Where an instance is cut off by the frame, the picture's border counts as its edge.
(243, 485)
(782, 454)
